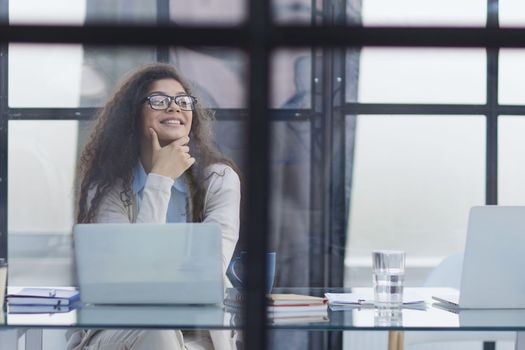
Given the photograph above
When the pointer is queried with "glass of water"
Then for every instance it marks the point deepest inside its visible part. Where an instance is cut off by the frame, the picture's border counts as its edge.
(388, 317)
(389, 275)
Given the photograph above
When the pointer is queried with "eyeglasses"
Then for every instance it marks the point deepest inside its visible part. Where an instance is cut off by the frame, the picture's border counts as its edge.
(162, 102)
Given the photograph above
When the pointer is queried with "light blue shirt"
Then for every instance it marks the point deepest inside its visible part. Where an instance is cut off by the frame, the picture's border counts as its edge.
(177, 205)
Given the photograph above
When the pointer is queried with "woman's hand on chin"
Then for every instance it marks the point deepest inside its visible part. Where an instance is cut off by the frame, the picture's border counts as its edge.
(171, 160)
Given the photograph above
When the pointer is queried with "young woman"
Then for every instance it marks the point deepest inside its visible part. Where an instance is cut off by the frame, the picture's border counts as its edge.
(151, 159)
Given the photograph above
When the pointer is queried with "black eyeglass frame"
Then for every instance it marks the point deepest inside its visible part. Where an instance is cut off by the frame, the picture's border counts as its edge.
(172, 99)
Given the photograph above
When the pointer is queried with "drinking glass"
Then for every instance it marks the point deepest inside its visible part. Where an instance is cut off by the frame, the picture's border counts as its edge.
(388, 317)
(389, 275)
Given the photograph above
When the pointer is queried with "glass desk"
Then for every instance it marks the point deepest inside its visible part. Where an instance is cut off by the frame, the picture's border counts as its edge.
(431, 318)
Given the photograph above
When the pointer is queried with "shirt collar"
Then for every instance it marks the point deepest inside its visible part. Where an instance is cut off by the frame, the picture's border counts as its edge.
(140, 176)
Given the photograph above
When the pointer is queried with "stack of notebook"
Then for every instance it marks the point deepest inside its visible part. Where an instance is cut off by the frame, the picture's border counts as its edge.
(296, 308)
(285, 308)
(42, 300)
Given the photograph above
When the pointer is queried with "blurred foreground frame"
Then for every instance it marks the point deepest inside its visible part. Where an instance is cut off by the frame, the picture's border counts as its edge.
(258, 37)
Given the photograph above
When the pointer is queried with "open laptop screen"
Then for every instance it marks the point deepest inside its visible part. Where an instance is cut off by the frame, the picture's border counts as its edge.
(149, 263)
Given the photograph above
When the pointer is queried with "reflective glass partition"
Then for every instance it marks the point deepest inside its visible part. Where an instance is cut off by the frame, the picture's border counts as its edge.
(407, 170)
(414, 180)
(511, 74)
(511, 13)
(421, 75)
(299, 12)
(467, 13)
(77, 76)
(291, 79)
(78, 12)
(511, 171)
(431, 13)
(48, 12)
(42, 168)
(370, 147)
(44, 153)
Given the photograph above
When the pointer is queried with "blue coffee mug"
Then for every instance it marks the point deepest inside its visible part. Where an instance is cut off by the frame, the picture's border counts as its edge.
(236, 268)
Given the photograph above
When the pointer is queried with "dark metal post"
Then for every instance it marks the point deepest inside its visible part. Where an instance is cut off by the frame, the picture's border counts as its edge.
(258, 135)
(316, 266)
(163, 18)
(335, 221)
(317, 179)
(328, 232)
(491, 195)
(4, 18)
(316, 340)
(335, 217)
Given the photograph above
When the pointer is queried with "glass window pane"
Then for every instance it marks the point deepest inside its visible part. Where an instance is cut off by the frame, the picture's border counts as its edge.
(103, 67)
(511, 76)
(291, 79)
(68, 76)
(414, 181)
(289, 204)
(71, 12)
(217, 74)
(121, 11)
(56, 77)
(208, 12)
(422, 76)
(424, 13)
(42, 160)
(292, 11)
(511, 169)
(511, 13)
(465, 13)
(78, 12)
(212, 69)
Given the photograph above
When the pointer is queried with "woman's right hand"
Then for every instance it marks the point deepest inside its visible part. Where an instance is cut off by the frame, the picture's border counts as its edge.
(171, 160)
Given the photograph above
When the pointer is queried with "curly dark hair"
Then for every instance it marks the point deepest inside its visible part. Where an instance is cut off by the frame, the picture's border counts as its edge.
(114, 145)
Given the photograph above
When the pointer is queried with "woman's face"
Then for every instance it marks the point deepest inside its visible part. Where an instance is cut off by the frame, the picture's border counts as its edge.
(170, 123)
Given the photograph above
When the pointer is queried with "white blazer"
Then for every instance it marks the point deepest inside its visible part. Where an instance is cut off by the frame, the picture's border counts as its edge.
(221, 206)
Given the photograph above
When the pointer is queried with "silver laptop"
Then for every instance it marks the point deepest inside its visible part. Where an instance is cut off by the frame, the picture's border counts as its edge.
(169, 316)
(492, 276)
(149, 263)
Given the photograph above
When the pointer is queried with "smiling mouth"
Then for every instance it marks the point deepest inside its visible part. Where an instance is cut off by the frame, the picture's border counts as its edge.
(172, 122)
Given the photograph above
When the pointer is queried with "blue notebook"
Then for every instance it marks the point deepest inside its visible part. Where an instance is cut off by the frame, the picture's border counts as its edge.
(43, 296)
(39, 309)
